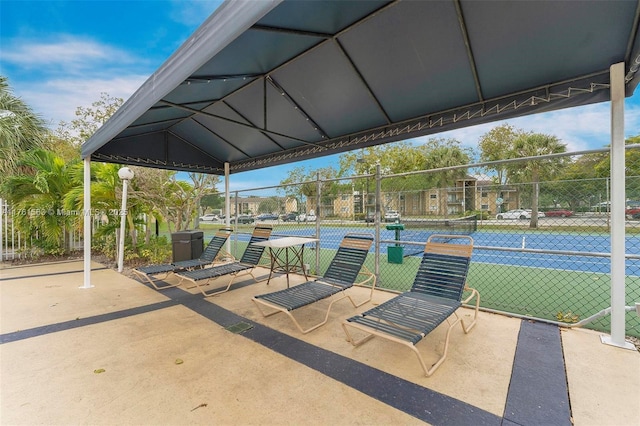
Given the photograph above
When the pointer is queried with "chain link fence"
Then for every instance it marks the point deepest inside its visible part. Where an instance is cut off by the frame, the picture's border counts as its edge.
(542, 249)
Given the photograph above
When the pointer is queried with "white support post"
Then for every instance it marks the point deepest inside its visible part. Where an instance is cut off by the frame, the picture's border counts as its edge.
(227, 196)
(86, 211)
(378, 218)
(227, 204)
(617, 337)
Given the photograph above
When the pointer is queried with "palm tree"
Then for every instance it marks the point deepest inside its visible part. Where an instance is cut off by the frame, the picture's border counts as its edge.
(104, 184)
(38, 191)
(20, 130)
(533, 145)
(446, 153)
(106, 198)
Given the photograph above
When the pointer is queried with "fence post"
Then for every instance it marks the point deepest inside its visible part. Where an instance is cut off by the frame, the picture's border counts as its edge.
(377, 222)
(318, 217)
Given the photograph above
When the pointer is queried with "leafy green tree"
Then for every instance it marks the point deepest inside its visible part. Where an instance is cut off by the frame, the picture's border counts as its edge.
(88, 120)
(202, 184)
(631, 160)
(578, 184)
(164, 195)
(212, 201)
(292, 185)
(269, 205)
(600, 167)
(533, 145)
(20, 130)
(394, 158)
(496, 145)
(301, 185)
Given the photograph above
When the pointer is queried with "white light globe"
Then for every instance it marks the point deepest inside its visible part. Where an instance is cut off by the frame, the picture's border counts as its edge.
(125, 173)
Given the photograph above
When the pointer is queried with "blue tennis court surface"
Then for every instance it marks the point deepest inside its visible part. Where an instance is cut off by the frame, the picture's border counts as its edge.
(488, 245)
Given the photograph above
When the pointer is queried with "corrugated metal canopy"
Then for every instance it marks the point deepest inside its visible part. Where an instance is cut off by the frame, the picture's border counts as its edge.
(269, 82)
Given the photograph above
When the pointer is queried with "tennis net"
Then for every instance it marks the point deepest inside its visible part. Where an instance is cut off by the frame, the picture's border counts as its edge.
(419, 230)
(460, 225)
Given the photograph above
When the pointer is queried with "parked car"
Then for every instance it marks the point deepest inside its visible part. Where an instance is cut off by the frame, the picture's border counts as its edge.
(632, 213)
(311, 217)
(243, 218)
(289, 217)
(558, 213)
(370, 217)
(267, 216)
(518, 214)
(209, 218)
(391, 216)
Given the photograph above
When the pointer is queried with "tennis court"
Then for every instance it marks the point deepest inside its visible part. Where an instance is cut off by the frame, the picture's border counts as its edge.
(553, 286)
(489, 245)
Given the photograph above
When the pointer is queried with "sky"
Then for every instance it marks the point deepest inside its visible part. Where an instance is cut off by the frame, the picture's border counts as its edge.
(61, 55)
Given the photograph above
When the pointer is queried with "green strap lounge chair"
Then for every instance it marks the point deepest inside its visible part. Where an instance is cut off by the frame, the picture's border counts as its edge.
(213, 251)
(341, 275)
(247, 263)
(434, 298)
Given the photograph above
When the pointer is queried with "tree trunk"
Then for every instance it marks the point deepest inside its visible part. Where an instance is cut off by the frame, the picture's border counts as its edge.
(534, 199)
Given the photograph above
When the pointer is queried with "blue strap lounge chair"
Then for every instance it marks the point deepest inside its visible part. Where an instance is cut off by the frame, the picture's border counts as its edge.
(341, 275)
(213, 251)
(248, 261)
(435, 296)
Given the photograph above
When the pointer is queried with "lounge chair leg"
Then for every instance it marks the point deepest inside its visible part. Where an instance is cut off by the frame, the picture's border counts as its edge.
(154, 280)
(264, 314)
(445, 350)
(278, 309)
(474, 292)
(352, 340)
(213, 293)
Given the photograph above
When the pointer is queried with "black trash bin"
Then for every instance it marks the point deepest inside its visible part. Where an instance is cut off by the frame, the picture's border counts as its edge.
(187, 245)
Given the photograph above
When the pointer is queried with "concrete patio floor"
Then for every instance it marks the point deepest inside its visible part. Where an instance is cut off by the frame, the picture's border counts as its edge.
(124, 353)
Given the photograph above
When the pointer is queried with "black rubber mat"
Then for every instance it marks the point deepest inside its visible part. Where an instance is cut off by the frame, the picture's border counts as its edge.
(538, 393)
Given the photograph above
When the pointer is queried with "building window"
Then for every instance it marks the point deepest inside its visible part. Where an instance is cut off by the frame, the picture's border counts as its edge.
(484, 207)
(433, 196)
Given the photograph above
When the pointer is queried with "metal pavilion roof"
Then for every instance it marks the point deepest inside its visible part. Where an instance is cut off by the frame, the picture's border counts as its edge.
(271, 82)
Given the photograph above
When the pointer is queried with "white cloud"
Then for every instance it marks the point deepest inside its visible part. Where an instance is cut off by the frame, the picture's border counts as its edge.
(66, 53)
(66, 72)
(57, 99)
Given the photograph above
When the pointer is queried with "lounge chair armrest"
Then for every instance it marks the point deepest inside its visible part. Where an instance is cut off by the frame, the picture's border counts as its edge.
(225, 255)
(370, 276)
(474, 293)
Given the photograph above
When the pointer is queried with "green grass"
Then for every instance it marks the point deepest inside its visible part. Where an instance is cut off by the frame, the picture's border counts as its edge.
(535, 292)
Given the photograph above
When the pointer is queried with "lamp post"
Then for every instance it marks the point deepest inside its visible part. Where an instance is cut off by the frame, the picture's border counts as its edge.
(126, 174)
